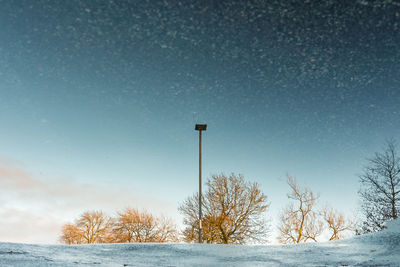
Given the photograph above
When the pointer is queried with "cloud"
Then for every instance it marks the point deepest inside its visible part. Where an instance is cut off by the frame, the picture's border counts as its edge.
(15, 178)
(26, 227)
(33, 208)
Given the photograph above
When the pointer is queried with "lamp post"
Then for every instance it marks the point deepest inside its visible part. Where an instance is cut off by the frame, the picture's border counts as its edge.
(200, 128)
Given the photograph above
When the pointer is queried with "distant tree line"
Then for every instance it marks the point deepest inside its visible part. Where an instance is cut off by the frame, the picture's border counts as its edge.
(235, 212)
(129, 226)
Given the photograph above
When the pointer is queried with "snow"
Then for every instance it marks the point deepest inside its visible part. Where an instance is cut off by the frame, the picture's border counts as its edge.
(393, 226)
(378, 249)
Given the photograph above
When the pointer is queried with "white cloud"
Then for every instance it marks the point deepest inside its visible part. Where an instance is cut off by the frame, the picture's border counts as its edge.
(33, 209)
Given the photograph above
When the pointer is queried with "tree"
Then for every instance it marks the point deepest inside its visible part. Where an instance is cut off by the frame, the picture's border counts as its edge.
(337, 223)
(95, 227)
(130, 226)
(299, 223)
(234, 212)
(71, 235)
(168, 231)
(91, 227)
(133, 226)
(380, 189)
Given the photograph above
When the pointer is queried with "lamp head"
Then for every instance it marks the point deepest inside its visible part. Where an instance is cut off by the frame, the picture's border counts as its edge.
(200, 127)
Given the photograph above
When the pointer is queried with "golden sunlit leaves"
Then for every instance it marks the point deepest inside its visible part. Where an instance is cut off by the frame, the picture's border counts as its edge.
(299, 222)
(91, 227)
(130, 226)
(234, 212)
(337, 223)
(133, 226)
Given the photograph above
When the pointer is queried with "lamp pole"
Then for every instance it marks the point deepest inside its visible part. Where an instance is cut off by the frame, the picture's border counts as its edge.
(200, 128)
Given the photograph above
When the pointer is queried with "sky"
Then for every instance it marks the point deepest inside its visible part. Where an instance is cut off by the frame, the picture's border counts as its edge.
(98, 102)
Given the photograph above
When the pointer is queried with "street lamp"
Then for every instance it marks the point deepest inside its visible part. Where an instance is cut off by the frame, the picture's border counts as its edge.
(200, 128)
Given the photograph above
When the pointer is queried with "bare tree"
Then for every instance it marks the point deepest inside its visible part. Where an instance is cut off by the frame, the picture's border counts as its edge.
(190, 210)
(299, 222)
(134, 226)
(95, 226)
(71, 235)
(380, 189)
(234, 212)
(337, 223)
(91, 227)
(167, 231)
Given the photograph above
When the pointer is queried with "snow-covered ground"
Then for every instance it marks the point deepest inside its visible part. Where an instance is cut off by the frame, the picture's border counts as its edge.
(379, 249)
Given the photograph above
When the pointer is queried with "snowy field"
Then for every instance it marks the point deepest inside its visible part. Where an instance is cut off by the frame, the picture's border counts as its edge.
(379, 249)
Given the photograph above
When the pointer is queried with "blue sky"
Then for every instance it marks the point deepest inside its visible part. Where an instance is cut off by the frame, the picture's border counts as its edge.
(107, 93)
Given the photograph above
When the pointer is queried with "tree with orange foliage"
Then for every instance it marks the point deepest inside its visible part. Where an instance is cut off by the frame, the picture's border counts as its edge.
(130, 226)
(337, 223)
(234, 212)
(91, 227)
(299, 222)
(71, 235)
(133, 226)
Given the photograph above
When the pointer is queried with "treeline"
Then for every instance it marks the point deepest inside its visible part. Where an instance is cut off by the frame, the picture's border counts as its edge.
(235, 212)
(129, 226)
